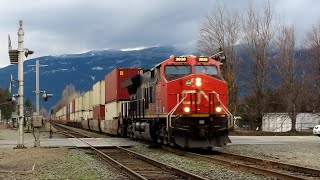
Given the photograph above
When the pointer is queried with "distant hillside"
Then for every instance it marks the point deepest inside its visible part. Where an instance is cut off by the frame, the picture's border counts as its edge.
(82, 70)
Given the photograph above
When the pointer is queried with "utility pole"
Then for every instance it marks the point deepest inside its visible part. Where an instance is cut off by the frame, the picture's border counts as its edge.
(16, 57)
(37, 129)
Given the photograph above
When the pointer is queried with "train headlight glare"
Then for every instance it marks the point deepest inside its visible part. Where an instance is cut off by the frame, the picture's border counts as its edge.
(198, 82)
(186, 109)
(218, 109)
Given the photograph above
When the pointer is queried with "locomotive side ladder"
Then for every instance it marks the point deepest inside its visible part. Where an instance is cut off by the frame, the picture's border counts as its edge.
(169, 115)
(230, 123)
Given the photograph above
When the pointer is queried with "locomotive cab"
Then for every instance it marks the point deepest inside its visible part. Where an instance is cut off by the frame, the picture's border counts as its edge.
(196, 95)
(181, 101)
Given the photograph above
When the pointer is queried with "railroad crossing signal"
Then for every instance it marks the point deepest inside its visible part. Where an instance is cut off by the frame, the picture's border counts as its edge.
(45, 96)
(12, 100)
(27, 52)
(14, 53)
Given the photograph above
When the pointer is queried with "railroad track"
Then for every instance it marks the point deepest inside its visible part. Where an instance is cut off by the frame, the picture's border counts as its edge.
(134, 165)
(138, 166)
(68, 132)
(255, 165)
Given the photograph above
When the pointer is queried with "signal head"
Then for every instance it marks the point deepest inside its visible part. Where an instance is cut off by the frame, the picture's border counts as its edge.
(27, 52)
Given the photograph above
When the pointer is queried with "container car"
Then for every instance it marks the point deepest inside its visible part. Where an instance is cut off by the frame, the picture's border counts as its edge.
(181, 101)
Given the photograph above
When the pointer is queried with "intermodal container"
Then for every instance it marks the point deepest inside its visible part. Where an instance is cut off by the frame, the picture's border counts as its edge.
(73, 106)
(72, 117)
(98, 93)
(90, 100)
(85, 115)
(67, 113)
(78, 105)
(79, 116)
(90, 117)
(98, 112)
(113, 89)
(85, 101)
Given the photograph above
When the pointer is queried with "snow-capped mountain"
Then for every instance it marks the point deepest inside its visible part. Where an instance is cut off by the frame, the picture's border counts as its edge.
(81, 70)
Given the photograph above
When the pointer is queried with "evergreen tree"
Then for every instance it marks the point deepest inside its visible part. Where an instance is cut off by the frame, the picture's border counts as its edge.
(6, 107)
(28, 107)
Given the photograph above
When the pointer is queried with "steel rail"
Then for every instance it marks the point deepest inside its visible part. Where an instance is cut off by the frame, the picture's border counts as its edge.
(69, 131)
(135, 175)
(119, 166)
(163, 166)
(131, 173)
(284, 166)
(251, 168)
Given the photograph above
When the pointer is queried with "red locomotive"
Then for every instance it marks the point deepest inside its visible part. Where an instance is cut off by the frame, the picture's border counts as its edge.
(181, 101)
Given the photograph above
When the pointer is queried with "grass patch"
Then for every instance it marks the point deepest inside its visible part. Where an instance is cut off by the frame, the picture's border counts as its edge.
(75, 165)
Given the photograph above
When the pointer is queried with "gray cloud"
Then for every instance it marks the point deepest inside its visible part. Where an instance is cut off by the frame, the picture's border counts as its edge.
(73, 26)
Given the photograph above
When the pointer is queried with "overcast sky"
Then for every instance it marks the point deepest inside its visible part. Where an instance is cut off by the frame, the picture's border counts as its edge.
(54, 27)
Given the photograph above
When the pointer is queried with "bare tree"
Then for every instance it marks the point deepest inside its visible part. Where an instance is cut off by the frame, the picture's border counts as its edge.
(259, 29)
(287, 66)
(44, 112)
(68, 94)
(222, 30)
(312, 46)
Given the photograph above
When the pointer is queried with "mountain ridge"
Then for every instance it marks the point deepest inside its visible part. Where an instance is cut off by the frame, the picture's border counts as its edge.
(82, 70)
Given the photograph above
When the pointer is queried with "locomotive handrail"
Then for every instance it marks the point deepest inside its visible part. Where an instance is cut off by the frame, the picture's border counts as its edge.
(172, 111)
(224, 107)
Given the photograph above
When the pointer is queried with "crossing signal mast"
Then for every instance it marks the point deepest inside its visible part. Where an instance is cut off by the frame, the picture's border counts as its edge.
(37, 119)
(16, 57)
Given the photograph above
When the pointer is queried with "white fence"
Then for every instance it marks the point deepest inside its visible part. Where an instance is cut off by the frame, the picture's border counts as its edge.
(281, 122)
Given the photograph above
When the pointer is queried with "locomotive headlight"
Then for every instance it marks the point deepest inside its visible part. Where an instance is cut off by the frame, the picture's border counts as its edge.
(186, 109)
(218, 109)
(198, 82)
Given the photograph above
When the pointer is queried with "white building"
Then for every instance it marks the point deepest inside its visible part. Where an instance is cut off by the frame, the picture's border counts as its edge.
(281, 122)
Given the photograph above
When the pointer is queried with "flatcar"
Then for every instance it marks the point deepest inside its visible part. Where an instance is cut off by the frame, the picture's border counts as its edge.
(181, 101)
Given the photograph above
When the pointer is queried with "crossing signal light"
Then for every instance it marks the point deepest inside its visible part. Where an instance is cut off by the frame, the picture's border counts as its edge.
(46, 96)
(12, 100)
(27, 52)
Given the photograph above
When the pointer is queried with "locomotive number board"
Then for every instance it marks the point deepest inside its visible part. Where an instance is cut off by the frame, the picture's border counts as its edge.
(203, 59)
(180, 59)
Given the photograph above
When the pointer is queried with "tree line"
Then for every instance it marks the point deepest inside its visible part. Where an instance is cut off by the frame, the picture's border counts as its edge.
(7, 107)
(271, 47)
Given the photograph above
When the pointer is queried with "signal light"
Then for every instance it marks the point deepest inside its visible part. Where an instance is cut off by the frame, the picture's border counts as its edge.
(45, 96)
(12, 100)
(27, 52)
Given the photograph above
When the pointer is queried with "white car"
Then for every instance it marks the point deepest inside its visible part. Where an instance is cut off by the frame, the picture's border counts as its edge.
(316, 130)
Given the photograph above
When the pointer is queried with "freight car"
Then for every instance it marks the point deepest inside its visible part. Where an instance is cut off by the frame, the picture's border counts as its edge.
(181, 101)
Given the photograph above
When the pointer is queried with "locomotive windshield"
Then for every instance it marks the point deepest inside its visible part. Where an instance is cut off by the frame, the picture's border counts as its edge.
(206, 69)
(173, 72)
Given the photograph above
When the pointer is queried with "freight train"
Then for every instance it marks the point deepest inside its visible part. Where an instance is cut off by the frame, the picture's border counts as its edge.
(181, 101)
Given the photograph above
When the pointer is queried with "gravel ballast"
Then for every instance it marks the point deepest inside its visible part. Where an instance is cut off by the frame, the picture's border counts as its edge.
(302, 154)
(200, 167)
(64, 163)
